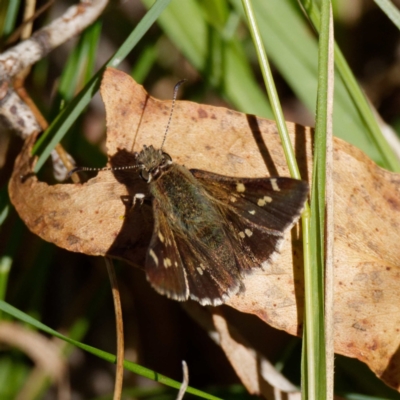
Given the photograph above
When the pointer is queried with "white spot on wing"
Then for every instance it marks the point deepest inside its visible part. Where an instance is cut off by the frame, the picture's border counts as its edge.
(248, 232)
(167, 262)
(161, 237)
(275, 186)
(262, 202)
(252, 212)
(242, 235)
(202, 266)
(240, 187)
(232, 199)
(199, 270)
(153, 256)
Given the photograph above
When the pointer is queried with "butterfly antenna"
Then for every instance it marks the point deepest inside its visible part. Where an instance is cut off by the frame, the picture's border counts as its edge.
(78, 169)
(176, 88)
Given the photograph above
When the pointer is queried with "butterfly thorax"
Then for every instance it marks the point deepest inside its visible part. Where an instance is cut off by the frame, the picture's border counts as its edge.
(152, 163)
(187, 205)
(175, 190)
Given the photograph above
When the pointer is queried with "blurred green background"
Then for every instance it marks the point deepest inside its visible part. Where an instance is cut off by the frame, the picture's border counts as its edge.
(207, 42)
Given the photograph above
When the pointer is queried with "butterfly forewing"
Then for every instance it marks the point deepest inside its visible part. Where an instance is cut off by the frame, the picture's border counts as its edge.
(257, 212)
(274, 203)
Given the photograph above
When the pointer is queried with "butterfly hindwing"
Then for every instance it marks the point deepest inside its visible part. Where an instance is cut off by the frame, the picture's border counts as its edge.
(212, 276)
(164, 267)
(179, 267)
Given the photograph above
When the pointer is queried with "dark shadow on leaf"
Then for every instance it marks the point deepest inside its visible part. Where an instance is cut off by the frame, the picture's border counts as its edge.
(132, 241)
(300, 149)
(391, 373)
(266, 155)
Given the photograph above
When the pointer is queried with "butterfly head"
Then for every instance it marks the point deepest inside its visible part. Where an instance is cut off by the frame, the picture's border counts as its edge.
(152, 163)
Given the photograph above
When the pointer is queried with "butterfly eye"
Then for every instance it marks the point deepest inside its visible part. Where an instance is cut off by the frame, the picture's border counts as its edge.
(166, 158)
(145, 175)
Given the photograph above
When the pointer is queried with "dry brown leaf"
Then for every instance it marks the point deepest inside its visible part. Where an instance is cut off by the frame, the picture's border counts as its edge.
(256, 373)
(94, 218)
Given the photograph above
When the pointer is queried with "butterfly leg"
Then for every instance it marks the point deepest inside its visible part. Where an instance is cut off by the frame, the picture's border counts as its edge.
(138, 197)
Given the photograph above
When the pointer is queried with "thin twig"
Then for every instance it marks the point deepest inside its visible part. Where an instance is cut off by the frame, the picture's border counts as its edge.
(27, 21)
(16, 106)
(119, 374)
(61, 160)
(70, 24)
(15, 112)
(185, 381)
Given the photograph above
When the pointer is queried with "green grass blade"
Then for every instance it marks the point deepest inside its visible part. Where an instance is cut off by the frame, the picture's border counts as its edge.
(82, 59)
(378, 147)
(314, 376)
(145, 62)
(202, 37)
(135, 368)
(8, 16)
(78, 68)
(91, 40)
(7, 257)
(294, 53)
(271, 89)
(5, 267)
(390, 10)
(5, 205)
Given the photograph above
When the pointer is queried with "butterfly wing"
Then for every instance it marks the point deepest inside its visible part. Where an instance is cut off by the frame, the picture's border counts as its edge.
(163, 262)
(257, 211)
(245, 223)
(179, 267)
